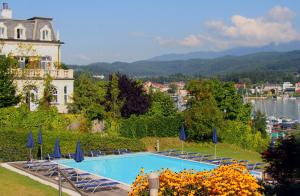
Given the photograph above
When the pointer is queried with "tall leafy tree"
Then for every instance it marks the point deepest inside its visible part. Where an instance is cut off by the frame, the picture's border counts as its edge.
(161, 104)
(202, 114)
(131, 96)
(88, 97)
(229, 101)
(113, 101)
(136, 101)
(284, 165)
(8, 95)
(45, 102)
(259, 123)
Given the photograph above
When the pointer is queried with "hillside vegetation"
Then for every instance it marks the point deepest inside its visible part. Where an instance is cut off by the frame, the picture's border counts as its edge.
(264, 61)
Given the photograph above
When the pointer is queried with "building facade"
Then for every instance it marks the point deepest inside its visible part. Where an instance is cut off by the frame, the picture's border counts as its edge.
(34, 48)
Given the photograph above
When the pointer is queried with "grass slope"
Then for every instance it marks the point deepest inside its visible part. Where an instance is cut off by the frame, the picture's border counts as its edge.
(223, 150)
(12, 183)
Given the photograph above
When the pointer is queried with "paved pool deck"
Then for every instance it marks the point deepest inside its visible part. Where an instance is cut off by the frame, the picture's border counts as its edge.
(53, 182)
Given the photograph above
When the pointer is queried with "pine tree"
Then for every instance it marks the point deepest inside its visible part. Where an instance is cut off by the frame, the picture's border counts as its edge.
(8, 95)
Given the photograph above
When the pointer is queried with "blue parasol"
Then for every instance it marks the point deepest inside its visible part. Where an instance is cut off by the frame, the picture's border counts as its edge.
(78, 157)
(57, 153)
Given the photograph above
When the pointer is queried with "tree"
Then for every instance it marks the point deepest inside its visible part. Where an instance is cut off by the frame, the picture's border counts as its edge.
(161, 104)
(113, 101)
(229, 101)
(259, 123)
(284, 165)
(203, 114)
(8, 94)
(131, 97)
(173, 88)
(88, 97)
(47, 93)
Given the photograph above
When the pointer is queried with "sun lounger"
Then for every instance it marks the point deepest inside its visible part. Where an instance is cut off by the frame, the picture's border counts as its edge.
(200, 157)
(53, 171)
(235, 162)
(78, 177)
(167, 152)
(217, 161)
(44, 167)
(123, 151)
(35, 163)
(82, 183)
(94, 186)
(254, 166)
(95, 153)
(69, 156)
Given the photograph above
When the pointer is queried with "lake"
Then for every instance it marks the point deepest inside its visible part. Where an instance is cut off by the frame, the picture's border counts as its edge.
(280, 108)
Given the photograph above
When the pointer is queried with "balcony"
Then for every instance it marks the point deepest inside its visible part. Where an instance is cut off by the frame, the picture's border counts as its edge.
(42, 73)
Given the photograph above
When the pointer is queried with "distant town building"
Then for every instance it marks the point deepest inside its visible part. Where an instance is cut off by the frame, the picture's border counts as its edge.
(288, 87)
(155, 87)
(35, 47)
(297, 87)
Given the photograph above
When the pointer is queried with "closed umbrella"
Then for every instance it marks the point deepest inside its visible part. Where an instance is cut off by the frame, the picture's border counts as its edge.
(78, 157)
(30, 144)
(57, 153)
(182, 137)
(215, 140)
(40, 142)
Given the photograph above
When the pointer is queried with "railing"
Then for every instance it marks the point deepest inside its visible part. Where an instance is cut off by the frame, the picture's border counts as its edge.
(42, 73)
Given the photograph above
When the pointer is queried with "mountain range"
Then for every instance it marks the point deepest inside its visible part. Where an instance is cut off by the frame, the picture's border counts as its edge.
(261, 61)
(239, 51)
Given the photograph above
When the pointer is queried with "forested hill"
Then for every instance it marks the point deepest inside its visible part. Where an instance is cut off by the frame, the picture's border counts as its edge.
(265, 61)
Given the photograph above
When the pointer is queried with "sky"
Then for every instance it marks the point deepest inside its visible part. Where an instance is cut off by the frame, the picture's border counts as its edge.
(131, 30)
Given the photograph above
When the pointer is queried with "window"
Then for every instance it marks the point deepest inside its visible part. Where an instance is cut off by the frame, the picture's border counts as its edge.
(65, 94)
(3, 30)
(22, 62)
(20, 32)
(54, 94)
(46, 62)
(45, 33)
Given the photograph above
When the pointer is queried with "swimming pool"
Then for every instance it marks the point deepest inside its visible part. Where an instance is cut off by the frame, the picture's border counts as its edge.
(125, 168)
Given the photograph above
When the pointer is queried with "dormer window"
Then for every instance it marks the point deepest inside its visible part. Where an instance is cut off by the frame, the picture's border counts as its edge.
(45, 33)
(3, 31)
(20, 32)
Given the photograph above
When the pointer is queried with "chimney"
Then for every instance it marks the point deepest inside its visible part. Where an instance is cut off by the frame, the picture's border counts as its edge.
(6, 13)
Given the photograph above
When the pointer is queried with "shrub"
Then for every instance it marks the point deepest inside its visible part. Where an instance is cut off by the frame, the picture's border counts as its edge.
(241, 134)
(13, 143)
(224, 180)
(21, 117)
(284, 165)
(156, 125)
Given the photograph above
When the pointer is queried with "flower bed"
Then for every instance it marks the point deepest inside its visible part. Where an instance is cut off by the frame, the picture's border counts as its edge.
(225, 180)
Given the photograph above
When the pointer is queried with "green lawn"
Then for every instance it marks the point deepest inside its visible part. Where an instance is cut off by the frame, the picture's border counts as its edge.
(223, 150)
(12, 183)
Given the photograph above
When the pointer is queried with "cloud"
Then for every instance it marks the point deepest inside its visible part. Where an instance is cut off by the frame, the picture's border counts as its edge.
(191, 40)
(279, 13)
(275, 27)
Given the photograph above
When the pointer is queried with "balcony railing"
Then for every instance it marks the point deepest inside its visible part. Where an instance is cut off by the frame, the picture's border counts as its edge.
(42, 73)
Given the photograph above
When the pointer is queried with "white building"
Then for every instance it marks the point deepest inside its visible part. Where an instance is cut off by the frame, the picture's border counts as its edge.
(35, 48)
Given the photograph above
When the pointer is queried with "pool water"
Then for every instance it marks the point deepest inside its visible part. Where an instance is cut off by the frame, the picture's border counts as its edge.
(125, 168)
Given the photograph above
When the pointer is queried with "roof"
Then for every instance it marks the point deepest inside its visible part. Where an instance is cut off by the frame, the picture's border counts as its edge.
(32, 27)
(39, 18)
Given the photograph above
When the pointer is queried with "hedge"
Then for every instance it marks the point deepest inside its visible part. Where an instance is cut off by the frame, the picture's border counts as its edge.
(157, 126)
(16, 117)
(13, 143)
